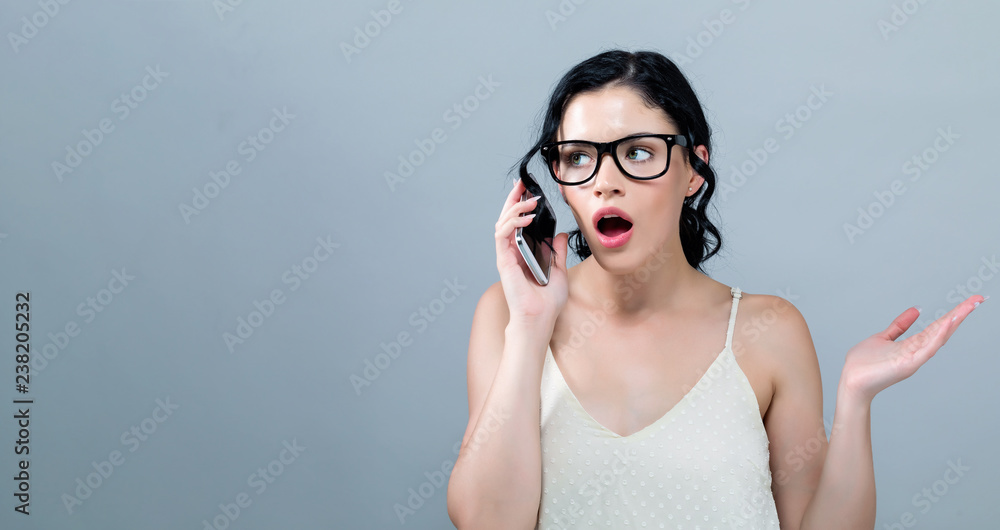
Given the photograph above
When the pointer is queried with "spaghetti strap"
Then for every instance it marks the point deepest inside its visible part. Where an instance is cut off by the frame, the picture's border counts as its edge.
(737, 295)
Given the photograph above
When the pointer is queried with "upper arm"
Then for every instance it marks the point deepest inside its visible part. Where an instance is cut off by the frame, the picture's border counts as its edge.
(486, 341)
(794, 418)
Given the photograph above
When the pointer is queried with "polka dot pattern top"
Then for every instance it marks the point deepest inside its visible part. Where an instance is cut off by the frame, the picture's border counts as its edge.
(704, 465)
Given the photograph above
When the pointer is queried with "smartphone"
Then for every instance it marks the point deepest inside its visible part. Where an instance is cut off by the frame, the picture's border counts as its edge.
(535, 240)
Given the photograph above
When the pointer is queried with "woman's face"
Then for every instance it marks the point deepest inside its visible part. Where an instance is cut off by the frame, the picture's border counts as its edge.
(652, 206)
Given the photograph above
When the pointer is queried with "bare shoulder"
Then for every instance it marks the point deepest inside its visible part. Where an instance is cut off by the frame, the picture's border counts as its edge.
(491, 310)
(775, 333)
(488, 323)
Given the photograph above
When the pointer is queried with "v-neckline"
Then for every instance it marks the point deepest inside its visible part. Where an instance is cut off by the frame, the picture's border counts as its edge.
(669, 413)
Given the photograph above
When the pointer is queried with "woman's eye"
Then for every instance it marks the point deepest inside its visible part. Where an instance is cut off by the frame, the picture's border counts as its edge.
(578, 159)
(638, 155)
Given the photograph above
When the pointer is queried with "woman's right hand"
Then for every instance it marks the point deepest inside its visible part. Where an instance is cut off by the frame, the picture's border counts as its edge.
(526, 299)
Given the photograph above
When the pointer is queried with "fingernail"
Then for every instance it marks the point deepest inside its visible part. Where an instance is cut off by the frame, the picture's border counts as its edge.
(985, 298)
(975, 305)
(919, 309)
(535, 198)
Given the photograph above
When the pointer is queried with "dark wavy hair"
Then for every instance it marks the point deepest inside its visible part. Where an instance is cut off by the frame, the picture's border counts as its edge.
(661, 85)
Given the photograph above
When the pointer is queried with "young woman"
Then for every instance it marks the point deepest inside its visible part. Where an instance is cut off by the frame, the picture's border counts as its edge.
(602, 399)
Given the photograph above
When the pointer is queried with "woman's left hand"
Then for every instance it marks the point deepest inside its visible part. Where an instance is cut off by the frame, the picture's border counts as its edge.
(879, 362)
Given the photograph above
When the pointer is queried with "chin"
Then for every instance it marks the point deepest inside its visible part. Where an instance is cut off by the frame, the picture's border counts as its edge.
(632, 258)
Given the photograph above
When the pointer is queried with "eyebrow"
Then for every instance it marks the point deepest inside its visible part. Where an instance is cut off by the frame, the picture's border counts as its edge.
(627, 135)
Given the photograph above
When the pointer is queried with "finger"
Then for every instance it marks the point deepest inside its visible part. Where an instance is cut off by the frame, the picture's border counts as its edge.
(950, 320)
(515, 204)
(958, 313)
(965, 307)
(924, 344)
(505, 230)
(560, 243)
(515, 194)
(516, 210)
(901, 324)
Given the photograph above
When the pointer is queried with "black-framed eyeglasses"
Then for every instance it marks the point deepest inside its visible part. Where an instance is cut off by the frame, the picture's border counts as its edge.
(640, 156)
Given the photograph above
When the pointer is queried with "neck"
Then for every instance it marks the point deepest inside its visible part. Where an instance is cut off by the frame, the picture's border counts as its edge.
(663, 281)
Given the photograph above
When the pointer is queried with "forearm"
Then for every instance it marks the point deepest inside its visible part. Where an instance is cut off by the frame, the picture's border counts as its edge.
(845, 495)
(496, 481)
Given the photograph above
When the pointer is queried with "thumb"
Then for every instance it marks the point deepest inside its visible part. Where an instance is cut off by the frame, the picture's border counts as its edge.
(901, 324)
(560, 244)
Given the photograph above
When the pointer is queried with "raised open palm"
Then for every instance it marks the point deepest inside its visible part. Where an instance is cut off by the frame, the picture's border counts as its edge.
(879, 362)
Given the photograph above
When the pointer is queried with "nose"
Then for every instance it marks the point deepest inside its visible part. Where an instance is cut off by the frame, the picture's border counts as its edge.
(609, 180)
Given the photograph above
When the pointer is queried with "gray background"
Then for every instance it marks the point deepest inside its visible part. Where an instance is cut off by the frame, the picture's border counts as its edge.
(323, 176)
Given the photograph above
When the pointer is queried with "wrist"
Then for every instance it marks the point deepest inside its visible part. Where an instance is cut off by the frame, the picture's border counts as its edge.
(527, 327)
(530, 322)
(851, 400)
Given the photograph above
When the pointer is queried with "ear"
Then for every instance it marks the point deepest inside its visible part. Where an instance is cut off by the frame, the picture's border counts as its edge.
(696, 180)
(702, 153)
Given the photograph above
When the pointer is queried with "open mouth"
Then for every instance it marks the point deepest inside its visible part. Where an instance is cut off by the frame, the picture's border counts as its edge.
(613, 226)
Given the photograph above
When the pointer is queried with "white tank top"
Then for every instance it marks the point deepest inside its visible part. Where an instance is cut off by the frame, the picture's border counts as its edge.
(704, 464)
